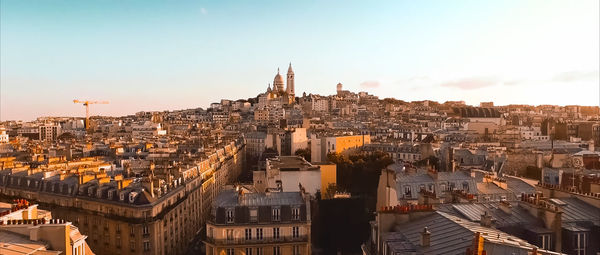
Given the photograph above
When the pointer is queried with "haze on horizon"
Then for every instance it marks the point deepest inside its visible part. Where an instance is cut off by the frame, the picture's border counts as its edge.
(163, 55)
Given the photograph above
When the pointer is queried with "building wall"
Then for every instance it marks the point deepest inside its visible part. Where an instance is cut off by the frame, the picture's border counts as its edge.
(480, 127)
(344, 143)
(310, 180)
(299, 140)
(328, 176)
(315, 150)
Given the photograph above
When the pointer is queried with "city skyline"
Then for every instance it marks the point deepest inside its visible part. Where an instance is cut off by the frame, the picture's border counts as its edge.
(169, 57)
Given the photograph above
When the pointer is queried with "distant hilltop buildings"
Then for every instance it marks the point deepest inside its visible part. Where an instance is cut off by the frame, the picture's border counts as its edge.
(279, 95)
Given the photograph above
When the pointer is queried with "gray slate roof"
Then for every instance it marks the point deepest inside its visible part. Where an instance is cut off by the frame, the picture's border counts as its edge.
(229, 198)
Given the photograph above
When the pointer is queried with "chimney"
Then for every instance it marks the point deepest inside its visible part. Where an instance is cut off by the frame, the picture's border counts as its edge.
(425, 238)
(240, 194)
(148, 185)
(432, 173)
(539, 160)
(505, 207)
(33, 233)
(486, 220)
(538, 196)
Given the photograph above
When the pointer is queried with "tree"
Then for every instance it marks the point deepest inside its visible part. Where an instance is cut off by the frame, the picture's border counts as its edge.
(330, 191)
(305, 153)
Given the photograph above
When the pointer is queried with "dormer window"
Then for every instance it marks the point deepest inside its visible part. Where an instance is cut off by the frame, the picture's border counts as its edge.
(122, 196)
(253, 215)
(275, 214)
(407, 191)
(132, 197)
(295, 213)
(229, 216)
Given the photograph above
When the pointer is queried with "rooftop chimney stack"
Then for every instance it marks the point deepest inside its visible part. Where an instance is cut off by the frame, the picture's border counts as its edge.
(486, 220)
(425, 237)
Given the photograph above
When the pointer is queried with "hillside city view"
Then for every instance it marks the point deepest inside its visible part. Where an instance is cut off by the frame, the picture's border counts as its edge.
(298, 128)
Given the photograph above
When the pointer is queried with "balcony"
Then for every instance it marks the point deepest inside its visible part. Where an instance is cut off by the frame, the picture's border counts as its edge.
(264, 240)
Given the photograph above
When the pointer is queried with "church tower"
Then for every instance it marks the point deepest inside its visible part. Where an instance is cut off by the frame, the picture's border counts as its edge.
(290, 81)
(278, 82)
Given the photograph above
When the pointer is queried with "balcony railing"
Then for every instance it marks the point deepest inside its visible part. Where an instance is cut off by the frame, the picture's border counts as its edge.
(254, 240)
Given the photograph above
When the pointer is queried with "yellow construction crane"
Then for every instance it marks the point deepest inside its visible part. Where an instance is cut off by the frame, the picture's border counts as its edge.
(87, 104)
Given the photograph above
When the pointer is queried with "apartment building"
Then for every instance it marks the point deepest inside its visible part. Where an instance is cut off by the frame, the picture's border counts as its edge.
(148, 215)
(255, 223)
(49, 132)
(321, 146)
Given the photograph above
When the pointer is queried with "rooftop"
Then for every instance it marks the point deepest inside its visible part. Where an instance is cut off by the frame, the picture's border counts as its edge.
(452, 235)
(290, 163)
(231, 198)
(14, 244)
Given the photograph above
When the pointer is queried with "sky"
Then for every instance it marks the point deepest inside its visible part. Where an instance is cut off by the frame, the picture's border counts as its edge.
(167, 55)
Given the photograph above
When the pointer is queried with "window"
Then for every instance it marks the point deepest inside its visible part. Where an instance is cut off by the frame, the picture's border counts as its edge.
(132, 245)
(579, 243)
(248, 251)
(259, 233)
(431, 187)
(545, 241)
(275, 214)
(229, 234)
(295, 213)
(276, 250)
(229, 216)
(407, 191)
(248, 234)
(276, 233)
(230, 251)
(132, 230)
(465, 186)
(146, 245)
(253, 215)
(145, 229)
(118, 242)
(295, 232)
(259, 251)
(296, 250)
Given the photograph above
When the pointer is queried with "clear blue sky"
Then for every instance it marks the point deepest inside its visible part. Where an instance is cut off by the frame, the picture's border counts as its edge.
(158, 55)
